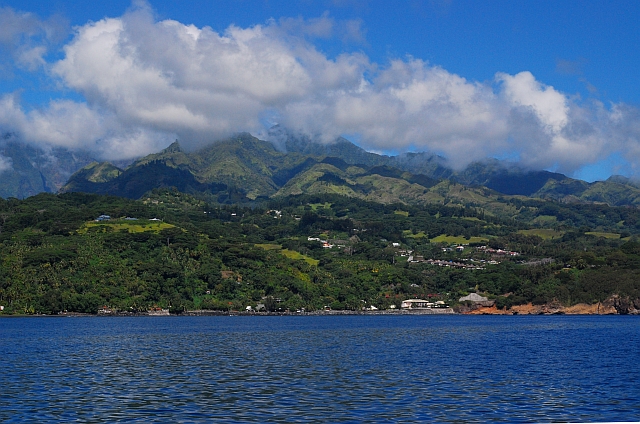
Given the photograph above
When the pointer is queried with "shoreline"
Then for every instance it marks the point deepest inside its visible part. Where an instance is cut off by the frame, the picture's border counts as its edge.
(206, 312)
(614, 305)
(528, 309)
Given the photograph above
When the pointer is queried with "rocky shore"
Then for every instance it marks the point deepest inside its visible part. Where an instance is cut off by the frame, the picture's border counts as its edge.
(614, 305)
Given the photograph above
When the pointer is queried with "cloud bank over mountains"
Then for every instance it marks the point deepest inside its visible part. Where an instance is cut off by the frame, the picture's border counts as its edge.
(144, 83)
(5, 164)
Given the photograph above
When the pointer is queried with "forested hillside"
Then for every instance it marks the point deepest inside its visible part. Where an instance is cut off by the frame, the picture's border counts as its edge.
(171, 250)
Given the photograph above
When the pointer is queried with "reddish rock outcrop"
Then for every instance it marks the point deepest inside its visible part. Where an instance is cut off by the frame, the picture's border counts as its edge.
(611, 306)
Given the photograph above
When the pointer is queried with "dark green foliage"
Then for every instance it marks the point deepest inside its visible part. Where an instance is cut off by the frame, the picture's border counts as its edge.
(231, 257)
(136, 181)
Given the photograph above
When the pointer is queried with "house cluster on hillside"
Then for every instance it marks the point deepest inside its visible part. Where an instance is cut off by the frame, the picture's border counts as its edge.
(484, 249)
(463, 265)
(414, 258)
(497, 252)
(468, 263)
(330, 244)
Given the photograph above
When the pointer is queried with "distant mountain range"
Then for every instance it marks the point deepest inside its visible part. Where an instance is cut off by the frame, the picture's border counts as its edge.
(245, 169)
(34, 170)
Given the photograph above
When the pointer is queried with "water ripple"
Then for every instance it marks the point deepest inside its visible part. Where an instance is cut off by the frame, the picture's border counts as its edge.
(313, 369)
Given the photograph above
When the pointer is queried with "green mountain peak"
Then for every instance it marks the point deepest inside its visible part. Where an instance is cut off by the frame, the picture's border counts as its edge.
(173, 148)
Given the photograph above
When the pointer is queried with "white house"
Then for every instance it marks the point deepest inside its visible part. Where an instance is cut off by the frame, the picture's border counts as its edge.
(416, 304)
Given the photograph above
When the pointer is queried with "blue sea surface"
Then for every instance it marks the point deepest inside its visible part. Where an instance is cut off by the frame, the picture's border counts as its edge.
(322, 368)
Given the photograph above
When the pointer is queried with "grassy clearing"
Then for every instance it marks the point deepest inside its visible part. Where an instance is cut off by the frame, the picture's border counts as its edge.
(269, 246)
(316, 206)
(291, 254)
(139, 226)
(457, 240)
(543, 233)
(545, 219)
(603, 234)
(408, 233)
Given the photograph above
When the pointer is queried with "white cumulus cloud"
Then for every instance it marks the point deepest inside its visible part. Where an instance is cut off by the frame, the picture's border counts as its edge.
(147, 82)
(410, 104)
(194, 82)
(77, 126)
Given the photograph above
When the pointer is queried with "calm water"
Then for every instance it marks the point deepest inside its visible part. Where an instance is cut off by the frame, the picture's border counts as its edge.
(353, 368)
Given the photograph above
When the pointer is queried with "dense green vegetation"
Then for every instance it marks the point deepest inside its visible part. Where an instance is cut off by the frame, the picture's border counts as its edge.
(55, 257)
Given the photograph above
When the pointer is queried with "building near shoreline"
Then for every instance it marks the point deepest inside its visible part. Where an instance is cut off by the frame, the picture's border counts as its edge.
(416, 304)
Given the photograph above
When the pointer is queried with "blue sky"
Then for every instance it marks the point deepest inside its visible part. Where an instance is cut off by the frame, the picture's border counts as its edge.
(550, 84)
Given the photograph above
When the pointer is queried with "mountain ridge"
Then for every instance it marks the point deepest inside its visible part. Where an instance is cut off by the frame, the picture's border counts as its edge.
(246, 169)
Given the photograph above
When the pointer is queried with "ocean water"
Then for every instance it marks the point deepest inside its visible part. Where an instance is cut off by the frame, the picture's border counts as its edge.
(320, 369)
